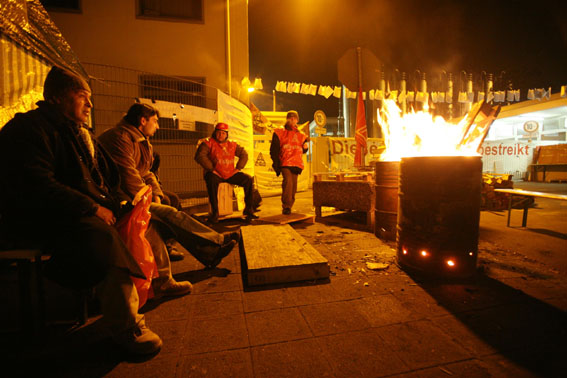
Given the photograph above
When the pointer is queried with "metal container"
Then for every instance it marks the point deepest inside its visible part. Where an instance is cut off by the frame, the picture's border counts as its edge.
(387, 176)
(439, 214)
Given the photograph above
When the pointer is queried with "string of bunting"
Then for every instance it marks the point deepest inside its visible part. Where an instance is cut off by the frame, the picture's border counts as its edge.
(511, 95)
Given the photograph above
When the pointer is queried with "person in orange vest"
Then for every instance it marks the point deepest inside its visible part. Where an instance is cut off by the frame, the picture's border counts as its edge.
(288, 146)
(216, 155)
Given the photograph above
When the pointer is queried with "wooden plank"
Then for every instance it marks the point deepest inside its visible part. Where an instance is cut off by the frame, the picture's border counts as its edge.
(521, 192)
(278, 254)
(289, 218)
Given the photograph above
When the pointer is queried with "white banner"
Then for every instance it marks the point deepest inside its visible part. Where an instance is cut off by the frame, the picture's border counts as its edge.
(507, 158)
(341, 152)
(239, 120)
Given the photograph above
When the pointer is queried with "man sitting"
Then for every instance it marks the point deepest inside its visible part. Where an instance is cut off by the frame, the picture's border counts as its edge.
(128, 143)
(60, 190)
(216, 155)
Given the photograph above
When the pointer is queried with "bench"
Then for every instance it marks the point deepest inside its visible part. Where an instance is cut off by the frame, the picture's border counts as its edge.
(553, 167)
(527, 194)
(31, 289)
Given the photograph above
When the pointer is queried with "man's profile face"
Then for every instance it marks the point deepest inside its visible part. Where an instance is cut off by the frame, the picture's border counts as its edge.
(77, 105)
(292, 120)
(221, 135)
(149, 126)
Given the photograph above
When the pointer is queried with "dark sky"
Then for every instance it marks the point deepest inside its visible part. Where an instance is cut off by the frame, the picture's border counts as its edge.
(302, 40)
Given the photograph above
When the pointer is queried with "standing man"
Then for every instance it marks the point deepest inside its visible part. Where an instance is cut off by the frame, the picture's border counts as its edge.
(216, 155)
(61, 191)
(288, 146)
(128, 144)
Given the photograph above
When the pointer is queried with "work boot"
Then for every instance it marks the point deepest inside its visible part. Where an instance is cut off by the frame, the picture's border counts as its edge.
(232, 236)
(138, 340)
(172, 288)
(286, 211)
(172, 251)
(223, 251)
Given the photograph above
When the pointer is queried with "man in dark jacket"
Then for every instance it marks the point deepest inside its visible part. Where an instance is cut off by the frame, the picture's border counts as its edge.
(60, 190)
(216, 155)
(288, 146)
(128, 144)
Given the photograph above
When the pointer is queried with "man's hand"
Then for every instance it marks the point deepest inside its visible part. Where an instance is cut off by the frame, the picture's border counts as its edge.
(106, 215)
(156, 199)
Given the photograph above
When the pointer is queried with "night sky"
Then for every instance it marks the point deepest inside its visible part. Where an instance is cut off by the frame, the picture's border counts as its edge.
(522, 42)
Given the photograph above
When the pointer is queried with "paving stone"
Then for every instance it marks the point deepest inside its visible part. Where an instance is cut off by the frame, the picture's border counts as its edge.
(419, 301)
(420, 344)
(336, 317)
(266, 299)
(309, 293)
(232, 282)
(469, 369)
(361, 354)
(154, 368)
(216, 304)
(171, 333)
(230, 363)
(275, 326)
(164, 309)
(302, 358)
(383, 309)
(215, 334)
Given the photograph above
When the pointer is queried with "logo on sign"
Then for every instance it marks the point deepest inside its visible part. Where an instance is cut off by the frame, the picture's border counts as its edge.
(531, 126)
(320, 118)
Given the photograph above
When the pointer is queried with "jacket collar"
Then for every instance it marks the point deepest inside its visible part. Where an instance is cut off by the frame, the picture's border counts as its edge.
(136, 134)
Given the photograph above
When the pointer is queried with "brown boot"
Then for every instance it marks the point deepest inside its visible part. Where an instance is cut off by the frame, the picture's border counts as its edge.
(139, 340)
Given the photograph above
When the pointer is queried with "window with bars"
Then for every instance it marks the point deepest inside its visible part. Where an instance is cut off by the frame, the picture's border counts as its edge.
(190, 91)
(181, 10)
(62, 5)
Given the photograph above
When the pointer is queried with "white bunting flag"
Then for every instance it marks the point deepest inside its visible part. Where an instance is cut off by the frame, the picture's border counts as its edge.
(393, 95)
(510, 96)
(449, 97)
(327, 92)
(379, 95)
(470, 96)
(531, 94)
(517, 95)
(564, 91)
(422, 97)
(546, 93)
(312, 89)
(402, 96)
(320, 91)
(490, 96)
(434, 97)
(410, 96)
(337, 92)
(480, 96)
(371, 94)
(304, 88)
(462, 97)
(281, 86)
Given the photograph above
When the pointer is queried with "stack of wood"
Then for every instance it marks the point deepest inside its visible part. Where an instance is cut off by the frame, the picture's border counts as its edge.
(492, 200)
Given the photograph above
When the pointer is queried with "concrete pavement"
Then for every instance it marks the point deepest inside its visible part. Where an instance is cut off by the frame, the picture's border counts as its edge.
(509, 321)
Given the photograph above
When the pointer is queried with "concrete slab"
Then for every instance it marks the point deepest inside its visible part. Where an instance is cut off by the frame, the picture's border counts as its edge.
(273, 326)
(231, 363)
(335, 317)
(215, 334)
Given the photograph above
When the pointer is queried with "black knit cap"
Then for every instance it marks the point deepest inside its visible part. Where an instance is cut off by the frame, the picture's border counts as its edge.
(59, 81)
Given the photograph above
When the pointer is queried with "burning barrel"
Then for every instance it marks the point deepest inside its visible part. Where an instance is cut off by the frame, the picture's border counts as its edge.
(439, 214)
(387, 176)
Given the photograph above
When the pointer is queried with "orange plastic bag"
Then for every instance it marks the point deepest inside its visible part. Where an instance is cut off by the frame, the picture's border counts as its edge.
(132, 228)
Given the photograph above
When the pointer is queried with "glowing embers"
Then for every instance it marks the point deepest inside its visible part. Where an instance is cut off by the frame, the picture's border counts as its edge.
(451, 263)
(424, 253)
(440, 261)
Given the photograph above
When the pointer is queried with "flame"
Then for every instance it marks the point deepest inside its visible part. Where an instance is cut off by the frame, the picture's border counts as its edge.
(422, 134)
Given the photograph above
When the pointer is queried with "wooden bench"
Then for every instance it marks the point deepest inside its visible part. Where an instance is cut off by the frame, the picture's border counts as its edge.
(553, 167)
(31, 289)
(346, 191)
(527, 194)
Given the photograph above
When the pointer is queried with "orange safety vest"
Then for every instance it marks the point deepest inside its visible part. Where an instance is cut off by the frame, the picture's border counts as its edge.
(222, 156)
(291, 147)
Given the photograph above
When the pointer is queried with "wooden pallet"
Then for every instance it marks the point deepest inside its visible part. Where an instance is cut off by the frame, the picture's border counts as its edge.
(278, 254)
(344, 176)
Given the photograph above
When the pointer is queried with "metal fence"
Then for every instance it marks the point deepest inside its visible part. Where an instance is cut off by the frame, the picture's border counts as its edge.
(115, 89)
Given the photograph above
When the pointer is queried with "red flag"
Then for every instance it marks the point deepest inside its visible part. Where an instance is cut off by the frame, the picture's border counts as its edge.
(360, 132)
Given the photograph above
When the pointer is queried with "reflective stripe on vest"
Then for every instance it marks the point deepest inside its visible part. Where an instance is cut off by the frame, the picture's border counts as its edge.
(222, 156)
(291, 147)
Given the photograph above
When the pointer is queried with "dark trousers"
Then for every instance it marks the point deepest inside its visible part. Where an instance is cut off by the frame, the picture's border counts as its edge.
(240, 179)
(289, 187)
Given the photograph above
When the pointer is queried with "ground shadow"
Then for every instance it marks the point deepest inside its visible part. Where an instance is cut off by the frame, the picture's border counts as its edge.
(551, 233)
(529, 332)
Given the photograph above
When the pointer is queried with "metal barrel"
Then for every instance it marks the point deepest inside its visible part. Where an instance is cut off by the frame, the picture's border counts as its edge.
(387, 176)
(439, 214)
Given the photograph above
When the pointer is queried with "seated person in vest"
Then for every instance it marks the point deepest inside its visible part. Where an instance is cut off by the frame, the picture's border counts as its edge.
(61, 191)
(216, 156)
(128, 144)
(288, 146)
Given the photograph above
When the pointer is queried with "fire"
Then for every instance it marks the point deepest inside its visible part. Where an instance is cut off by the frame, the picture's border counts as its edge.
(422, 134)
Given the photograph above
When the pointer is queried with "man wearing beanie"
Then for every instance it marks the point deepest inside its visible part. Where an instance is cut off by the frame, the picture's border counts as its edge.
(288, 146)
(60, 191)
(216, 155)
(129, 145)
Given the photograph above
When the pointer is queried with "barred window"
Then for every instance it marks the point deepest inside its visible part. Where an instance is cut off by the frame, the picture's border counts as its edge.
(62, 5)
(190, 91)
(183, 10)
